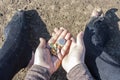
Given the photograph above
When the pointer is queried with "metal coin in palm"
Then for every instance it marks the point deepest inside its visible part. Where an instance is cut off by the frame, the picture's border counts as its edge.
(61, 42)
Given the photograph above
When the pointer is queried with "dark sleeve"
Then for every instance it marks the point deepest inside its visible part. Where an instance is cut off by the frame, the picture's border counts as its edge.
(79, 72)
(37, 72)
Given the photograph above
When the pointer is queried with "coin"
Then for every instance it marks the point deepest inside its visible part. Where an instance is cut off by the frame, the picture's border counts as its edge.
(61, 42)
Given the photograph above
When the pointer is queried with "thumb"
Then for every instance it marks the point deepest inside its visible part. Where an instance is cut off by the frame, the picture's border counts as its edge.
(80, 38)
(42, 43)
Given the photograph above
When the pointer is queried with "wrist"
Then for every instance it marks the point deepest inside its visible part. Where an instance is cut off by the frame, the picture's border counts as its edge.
(45, 66)
(40, 69)
(71, 64)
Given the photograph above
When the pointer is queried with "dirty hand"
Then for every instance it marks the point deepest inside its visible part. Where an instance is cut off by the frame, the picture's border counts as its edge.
(43, 57)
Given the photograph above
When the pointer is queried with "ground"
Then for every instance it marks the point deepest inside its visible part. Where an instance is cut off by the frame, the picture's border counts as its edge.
(70, 14)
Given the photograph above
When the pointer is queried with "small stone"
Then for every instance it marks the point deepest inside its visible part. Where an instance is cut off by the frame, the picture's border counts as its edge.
(1, 14)
(53, 49)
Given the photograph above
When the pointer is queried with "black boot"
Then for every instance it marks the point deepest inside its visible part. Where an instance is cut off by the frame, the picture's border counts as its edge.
(95, 37)
(16, 51)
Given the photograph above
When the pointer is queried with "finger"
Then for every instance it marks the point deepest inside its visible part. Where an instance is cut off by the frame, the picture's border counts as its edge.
(55, 37)
(80, 38)
(51, 40)
(42, 43)
(63, 34)
(53, 34)
(56, 30)
(62, 28)
(72, 39)
(59, 55)
(66, 47)
(68, 36)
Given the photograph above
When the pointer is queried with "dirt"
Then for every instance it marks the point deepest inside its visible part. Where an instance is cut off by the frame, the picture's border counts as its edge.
(70, 14)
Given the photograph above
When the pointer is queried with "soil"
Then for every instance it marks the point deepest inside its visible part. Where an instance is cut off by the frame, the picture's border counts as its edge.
(70, 14)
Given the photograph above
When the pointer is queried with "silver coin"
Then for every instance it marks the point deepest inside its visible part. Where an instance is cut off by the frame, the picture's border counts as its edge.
(61, 42)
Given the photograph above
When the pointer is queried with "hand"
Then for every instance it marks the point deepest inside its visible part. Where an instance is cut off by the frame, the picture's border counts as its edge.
(43, 56)
(76, 53)
(58, 34)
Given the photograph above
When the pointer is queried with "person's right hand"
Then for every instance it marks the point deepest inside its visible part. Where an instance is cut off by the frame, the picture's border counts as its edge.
(76, 53)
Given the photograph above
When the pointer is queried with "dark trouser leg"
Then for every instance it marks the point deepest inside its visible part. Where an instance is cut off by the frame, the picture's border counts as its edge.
(95, 36)
(16, 52)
